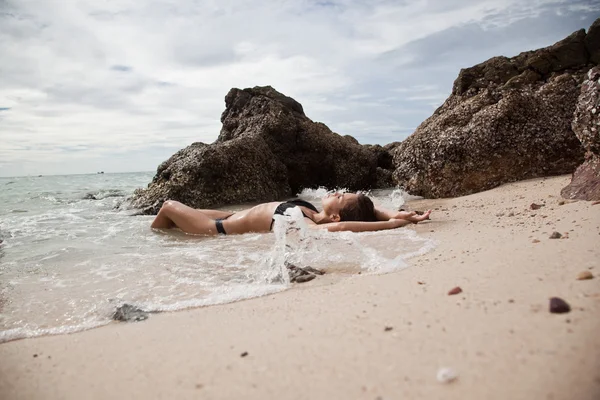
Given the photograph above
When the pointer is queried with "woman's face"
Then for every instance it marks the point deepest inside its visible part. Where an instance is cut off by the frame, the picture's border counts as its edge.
(334, 202)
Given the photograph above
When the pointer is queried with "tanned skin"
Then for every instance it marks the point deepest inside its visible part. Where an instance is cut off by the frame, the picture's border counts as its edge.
(258, 218)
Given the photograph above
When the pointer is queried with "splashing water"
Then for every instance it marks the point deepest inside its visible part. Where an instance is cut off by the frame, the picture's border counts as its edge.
(69, 258)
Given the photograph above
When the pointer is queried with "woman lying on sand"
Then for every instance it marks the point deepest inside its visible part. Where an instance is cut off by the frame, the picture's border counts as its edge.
(341, 212)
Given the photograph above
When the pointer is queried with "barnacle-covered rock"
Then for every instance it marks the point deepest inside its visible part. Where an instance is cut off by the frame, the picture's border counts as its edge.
(268, 149)
(585, 183)
(507, 119)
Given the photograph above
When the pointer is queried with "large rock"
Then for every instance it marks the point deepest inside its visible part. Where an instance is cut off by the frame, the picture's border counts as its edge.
(586, 119)
(585, 184)
(507, 119)
(203, 176)
(267, 150)
(592, 42)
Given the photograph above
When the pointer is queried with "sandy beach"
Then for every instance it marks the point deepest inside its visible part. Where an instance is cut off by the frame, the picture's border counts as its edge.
(370, 337)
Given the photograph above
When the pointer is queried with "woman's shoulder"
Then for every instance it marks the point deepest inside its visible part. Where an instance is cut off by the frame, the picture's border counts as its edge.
(303, 203)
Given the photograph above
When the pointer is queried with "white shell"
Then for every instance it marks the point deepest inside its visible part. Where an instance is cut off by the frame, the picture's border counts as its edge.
(446, 375)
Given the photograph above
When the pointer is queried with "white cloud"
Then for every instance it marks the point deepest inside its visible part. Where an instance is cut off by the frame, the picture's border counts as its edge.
(120, 85)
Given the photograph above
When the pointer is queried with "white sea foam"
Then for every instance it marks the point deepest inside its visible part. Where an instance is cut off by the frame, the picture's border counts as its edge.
(67, 263)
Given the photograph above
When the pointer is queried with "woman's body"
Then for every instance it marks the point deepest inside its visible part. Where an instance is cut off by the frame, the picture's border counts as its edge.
(341, 212)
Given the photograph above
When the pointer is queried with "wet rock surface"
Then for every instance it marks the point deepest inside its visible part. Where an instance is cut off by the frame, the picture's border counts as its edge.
(129, 313)
(268, 149)
(302, 274)
(507, 119)
(585, 183)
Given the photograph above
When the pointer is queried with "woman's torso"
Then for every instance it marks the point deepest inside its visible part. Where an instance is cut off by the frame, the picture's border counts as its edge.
(256, 219)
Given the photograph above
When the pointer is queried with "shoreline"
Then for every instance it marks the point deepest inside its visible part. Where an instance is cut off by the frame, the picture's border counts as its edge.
(327, 339)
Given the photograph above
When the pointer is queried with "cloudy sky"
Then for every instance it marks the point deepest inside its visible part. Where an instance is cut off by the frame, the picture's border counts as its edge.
(120, 85)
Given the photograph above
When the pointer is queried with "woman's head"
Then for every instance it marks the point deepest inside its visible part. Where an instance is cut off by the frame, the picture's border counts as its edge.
(349, 207)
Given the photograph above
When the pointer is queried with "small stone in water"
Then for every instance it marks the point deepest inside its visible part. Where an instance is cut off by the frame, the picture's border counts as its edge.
(559, 306)
(302, 274)
(446, 375)
(455, 290)
(304, 278)
(555, 235)
(314, 270)
(584, 275)
(129, 313)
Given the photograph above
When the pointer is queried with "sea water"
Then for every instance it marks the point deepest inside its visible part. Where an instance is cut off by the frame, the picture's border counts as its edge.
(71, 253)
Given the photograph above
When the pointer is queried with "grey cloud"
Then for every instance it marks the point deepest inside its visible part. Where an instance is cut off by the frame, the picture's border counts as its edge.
(200, 57)
(469, 44)
(61, 60)
(121, 68)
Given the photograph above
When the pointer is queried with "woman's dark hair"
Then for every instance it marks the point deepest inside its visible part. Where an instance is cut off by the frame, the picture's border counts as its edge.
(360, 210)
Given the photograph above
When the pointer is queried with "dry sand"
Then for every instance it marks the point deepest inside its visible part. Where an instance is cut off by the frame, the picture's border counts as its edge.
(327, 340)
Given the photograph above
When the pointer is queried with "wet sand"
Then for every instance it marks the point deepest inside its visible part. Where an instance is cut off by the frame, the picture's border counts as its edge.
(370, 337)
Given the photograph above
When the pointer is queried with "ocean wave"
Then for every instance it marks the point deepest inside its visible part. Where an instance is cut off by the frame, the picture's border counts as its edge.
(103, 194)
(71, 264)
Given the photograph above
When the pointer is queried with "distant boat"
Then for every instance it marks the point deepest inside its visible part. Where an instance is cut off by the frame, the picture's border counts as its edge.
(101, 172)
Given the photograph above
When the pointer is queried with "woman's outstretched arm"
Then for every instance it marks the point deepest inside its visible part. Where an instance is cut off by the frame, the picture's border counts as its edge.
(383, 214)
(362, 226)
(359, 226)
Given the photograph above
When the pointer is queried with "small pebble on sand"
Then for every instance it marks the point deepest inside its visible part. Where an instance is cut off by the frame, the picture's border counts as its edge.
(244, 354)
(583, 275)
(455, 290)
(555, 235)
(534, 206)
(559, 306)
(388, 328)
(446, 375)
(535, 241)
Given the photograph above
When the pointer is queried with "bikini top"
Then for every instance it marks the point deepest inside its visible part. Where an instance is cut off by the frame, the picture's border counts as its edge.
(280, 210)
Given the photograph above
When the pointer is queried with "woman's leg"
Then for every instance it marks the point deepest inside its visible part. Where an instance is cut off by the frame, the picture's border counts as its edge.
(214, 214)
(174, 214)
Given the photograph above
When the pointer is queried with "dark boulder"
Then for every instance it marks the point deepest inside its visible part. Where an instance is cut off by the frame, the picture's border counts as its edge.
(585, 183)
(267, 150)
(507, 119)
(202, 176)
(592, 42)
